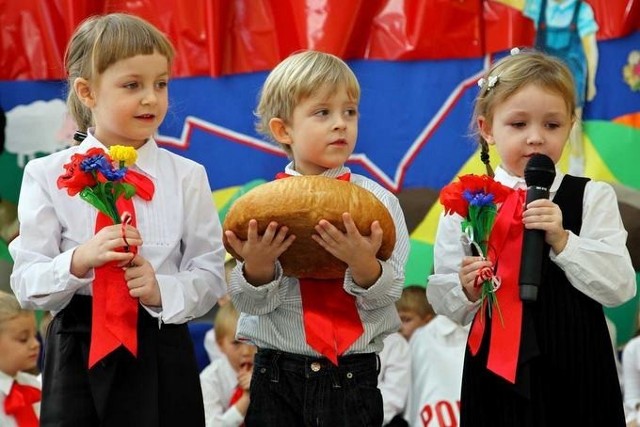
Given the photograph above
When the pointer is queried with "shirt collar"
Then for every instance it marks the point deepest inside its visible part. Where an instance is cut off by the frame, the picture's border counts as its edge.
(516, 182)
(146, 162)
(5, 383)
(329, 173)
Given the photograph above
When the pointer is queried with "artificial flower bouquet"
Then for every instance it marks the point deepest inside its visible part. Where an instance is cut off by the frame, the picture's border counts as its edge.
(99, 178)
(475, 199)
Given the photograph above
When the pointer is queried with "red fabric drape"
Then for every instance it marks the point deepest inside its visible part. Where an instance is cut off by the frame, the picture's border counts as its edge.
(220, 37)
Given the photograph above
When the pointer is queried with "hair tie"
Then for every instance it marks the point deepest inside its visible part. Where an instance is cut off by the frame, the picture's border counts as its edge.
(484, 157)
(79, 136)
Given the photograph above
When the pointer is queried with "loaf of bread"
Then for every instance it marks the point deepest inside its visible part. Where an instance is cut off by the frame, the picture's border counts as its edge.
(300, 202)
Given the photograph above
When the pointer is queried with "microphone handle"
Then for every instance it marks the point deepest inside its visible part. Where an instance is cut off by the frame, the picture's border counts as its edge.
(532, 252)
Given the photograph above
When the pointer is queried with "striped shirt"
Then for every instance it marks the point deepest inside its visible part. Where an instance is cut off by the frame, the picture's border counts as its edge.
(271, 314)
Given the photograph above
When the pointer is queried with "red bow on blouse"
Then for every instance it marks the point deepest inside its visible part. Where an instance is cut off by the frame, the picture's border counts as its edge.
(506, 243)
(330, 315)
(19, 403)
(115, 312)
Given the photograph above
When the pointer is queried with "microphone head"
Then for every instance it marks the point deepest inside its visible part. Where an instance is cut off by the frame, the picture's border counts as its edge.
(540, 171)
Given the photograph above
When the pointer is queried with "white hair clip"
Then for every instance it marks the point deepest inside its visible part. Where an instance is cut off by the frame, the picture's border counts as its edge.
(515, 51)
(490, 82)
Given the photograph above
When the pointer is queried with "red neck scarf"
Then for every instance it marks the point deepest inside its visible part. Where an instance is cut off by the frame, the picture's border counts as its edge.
(19, 403)
(505, 245)
(115, 313)
(330, 315)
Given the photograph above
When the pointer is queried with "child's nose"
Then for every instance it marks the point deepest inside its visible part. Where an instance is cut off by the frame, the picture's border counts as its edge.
(535, 137)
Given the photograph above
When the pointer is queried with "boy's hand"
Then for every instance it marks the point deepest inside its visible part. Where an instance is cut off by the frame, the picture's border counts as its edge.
(260, 252)
(102, 249)
(469, 269)
(357, 251)
(543, 214)
(142, 282)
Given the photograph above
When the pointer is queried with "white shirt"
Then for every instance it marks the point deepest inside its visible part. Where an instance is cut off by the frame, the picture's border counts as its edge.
(437, 353)
(631, 377)
(394, 379)
(180, 229)
(219, 381)
(5, 387)
(597, 262)
(271, 314)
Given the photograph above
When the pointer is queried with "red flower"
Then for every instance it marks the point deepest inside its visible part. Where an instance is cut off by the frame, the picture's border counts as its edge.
(452, 196)
(452, 200)
(74, 179)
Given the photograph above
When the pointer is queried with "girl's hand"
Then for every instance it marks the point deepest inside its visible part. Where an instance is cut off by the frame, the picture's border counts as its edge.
(260, 252)
(543, 214)
(357, 251)
(469, 269)
(142, 282)
(104, 247)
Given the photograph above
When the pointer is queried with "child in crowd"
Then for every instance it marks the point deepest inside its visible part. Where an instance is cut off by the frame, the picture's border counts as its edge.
(225, 382)
(309, 105)
(118, 351)
(549, 361)
(414, 309)
(19, 349)
(437, 355)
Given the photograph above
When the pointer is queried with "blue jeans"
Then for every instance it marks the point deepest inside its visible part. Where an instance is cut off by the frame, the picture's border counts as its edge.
(293, 390)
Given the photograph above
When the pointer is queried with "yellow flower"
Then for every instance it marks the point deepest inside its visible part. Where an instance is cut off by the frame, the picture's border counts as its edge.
(123, 154)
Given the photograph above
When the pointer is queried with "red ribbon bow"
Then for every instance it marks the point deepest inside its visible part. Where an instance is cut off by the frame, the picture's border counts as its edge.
(331, 319)
(505, 245)
(19, 403)
(115, 312)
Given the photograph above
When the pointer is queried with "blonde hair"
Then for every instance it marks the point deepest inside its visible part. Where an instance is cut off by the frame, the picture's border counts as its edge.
(295, 79)
(10, 308)
(414, 299)
(101, 41)
(510, 74)
(225, 321)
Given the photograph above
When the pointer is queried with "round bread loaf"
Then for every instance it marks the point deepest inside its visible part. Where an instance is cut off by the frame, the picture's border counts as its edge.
(300, 202)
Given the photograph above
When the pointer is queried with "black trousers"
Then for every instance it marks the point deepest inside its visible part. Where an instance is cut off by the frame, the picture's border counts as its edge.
(293, 390)
(161, 387)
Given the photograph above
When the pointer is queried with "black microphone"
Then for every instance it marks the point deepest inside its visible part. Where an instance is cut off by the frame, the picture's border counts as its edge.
(539, 174)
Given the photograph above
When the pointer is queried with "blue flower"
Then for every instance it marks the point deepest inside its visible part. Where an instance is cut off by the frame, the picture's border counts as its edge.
(478, 199)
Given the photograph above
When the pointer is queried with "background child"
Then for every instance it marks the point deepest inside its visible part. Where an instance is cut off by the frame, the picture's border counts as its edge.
(309, 105)
(437, 348)
(564, 360)
(414, 309)
(225, 382)
(119, 67)
(19, 349)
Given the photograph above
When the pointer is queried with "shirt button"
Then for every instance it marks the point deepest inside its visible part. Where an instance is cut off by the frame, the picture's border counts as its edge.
(315, 366)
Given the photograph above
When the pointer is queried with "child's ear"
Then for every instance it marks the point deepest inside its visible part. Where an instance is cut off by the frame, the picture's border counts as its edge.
(82, 88)
(485, 129)
(278, 129)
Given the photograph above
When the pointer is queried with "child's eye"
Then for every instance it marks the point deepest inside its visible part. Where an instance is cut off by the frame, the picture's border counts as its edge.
(131, 85)
(518, 124)
(553, 125)
(351, 112)
(162, 84)
(322, 112)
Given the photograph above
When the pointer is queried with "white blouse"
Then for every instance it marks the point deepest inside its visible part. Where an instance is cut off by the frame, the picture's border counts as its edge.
(180, 229)
(597, 262)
